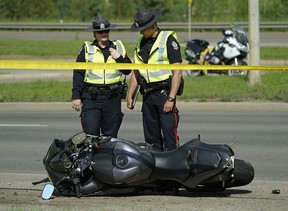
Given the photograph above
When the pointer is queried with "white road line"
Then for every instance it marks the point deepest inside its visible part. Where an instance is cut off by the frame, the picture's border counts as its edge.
(19, 125)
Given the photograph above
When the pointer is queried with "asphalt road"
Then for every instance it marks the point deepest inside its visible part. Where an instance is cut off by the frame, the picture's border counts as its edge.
(259, 135)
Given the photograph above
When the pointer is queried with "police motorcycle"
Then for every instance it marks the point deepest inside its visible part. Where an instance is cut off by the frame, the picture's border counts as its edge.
(87, 165)
(232, 50)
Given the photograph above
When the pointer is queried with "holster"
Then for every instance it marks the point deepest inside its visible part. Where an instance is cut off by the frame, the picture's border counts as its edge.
(181, 87)
(123, 90)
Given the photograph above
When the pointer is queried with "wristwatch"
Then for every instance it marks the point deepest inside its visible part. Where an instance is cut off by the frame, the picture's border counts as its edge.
(171, 99)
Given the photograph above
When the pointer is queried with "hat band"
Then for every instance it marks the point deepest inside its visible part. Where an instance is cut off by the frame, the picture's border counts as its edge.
(101, 26)
(137, 24)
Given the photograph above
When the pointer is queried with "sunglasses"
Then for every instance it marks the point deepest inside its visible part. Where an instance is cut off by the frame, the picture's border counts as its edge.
(106, 31)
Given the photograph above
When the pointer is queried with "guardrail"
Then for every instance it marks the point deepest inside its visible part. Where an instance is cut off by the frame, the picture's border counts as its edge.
(126, 26)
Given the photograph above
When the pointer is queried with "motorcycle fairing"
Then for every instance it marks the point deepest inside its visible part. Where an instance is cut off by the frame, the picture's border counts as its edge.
(197, 45)
(52, 160)
(210, 162)
(229, 50)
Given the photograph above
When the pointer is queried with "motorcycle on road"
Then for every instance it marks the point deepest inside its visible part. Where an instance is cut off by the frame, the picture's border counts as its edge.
(232, 50)
(85, 165)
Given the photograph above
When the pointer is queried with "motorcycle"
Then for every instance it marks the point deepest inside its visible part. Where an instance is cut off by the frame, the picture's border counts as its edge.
(88, 165)
(232, 50)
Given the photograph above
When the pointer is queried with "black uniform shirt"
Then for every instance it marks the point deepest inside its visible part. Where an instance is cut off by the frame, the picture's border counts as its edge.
(173, 49)
(78, 75)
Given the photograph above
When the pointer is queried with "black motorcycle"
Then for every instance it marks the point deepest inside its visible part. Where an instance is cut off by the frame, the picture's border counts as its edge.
(86, 165)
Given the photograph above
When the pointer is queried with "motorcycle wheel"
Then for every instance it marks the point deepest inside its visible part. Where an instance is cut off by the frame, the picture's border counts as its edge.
(195, 73)
(243, 174)
(238, 72)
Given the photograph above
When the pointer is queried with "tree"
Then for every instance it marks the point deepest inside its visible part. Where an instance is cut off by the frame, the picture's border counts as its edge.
(124, 10)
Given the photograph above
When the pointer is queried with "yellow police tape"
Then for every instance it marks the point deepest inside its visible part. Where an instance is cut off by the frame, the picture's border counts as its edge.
(48, 65)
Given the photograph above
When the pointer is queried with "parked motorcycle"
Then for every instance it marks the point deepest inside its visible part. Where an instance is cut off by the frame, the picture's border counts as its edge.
(87, 165)
(232, 50)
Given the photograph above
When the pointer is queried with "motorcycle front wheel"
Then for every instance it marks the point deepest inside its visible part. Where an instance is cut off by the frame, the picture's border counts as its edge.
(194, 73)
(238, 72)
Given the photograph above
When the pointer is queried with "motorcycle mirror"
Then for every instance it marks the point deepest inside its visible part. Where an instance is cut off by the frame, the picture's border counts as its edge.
(227, 32)
(47, 191)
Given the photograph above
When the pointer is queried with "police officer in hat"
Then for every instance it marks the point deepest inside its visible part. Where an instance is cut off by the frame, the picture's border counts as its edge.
(97, 93)
(158, 87)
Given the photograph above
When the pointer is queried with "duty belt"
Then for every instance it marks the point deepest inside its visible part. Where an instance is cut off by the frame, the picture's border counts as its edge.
(160, 84)
(148, 88)
(109, 90)
(97, 91)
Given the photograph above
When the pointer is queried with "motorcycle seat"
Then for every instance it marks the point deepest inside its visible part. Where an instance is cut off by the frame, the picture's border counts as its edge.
(174, 163)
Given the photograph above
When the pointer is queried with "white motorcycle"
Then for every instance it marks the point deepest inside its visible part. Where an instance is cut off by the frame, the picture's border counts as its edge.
(232, 50)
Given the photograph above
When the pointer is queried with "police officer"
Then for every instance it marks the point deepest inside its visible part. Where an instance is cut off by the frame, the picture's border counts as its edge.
(97, 93)
(159, 87)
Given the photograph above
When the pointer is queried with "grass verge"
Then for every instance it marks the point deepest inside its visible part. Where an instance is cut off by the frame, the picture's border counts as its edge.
(61, 49)
(273, 87)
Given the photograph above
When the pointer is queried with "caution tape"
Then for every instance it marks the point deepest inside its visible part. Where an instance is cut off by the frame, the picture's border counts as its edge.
(49, 65)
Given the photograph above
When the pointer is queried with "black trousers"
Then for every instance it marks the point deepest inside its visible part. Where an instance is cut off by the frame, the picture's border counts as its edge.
(102, 115)
(160, 129)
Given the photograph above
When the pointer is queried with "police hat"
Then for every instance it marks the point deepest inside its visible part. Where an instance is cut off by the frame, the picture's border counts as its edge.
(100, 23)
(144, 19)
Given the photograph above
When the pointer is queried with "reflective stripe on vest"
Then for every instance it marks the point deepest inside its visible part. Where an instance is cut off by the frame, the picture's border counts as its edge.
(94, 54)
(158, 55)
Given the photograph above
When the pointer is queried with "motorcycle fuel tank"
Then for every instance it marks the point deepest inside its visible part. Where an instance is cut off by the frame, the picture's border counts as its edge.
(120, 162)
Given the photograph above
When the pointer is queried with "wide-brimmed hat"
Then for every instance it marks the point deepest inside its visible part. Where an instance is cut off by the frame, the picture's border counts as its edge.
(144, 19)
(100, 23)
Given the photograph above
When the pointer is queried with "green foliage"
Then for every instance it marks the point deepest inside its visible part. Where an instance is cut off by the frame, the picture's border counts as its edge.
(17, 10)
(124, 10)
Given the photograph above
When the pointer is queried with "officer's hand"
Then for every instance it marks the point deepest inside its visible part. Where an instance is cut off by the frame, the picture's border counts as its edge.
(129, 103)
(168, 107)
(77, 104)
(114, 53)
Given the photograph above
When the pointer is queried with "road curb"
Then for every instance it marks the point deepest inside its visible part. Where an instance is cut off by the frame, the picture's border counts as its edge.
(182, 106)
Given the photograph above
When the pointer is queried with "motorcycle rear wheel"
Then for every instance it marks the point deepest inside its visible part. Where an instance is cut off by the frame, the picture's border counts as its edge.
(243, 174)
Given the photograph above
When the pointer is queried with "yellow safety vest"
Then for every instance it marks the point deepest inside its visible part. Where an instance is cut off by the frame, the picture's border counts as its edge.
(158, 55)
(94, 54)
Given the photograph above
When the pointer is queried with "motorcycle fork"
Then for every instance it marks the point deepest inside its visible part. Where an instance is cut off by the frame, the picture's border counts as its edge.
(203, 55)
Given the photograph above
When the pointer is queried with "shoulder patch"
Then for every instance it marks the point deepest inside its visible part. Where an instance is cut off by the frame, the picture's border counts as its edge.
(175, 45)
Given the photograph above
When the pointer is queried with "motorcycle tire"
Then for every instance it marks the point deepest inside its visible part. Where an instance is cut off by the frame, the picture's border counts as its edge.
(194, 73)
(243, 174)
(238, 72)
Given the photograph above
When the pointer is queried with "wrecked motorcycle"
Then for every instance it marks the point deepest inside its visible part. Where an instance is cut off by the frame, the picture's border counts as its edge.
(86, 165)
